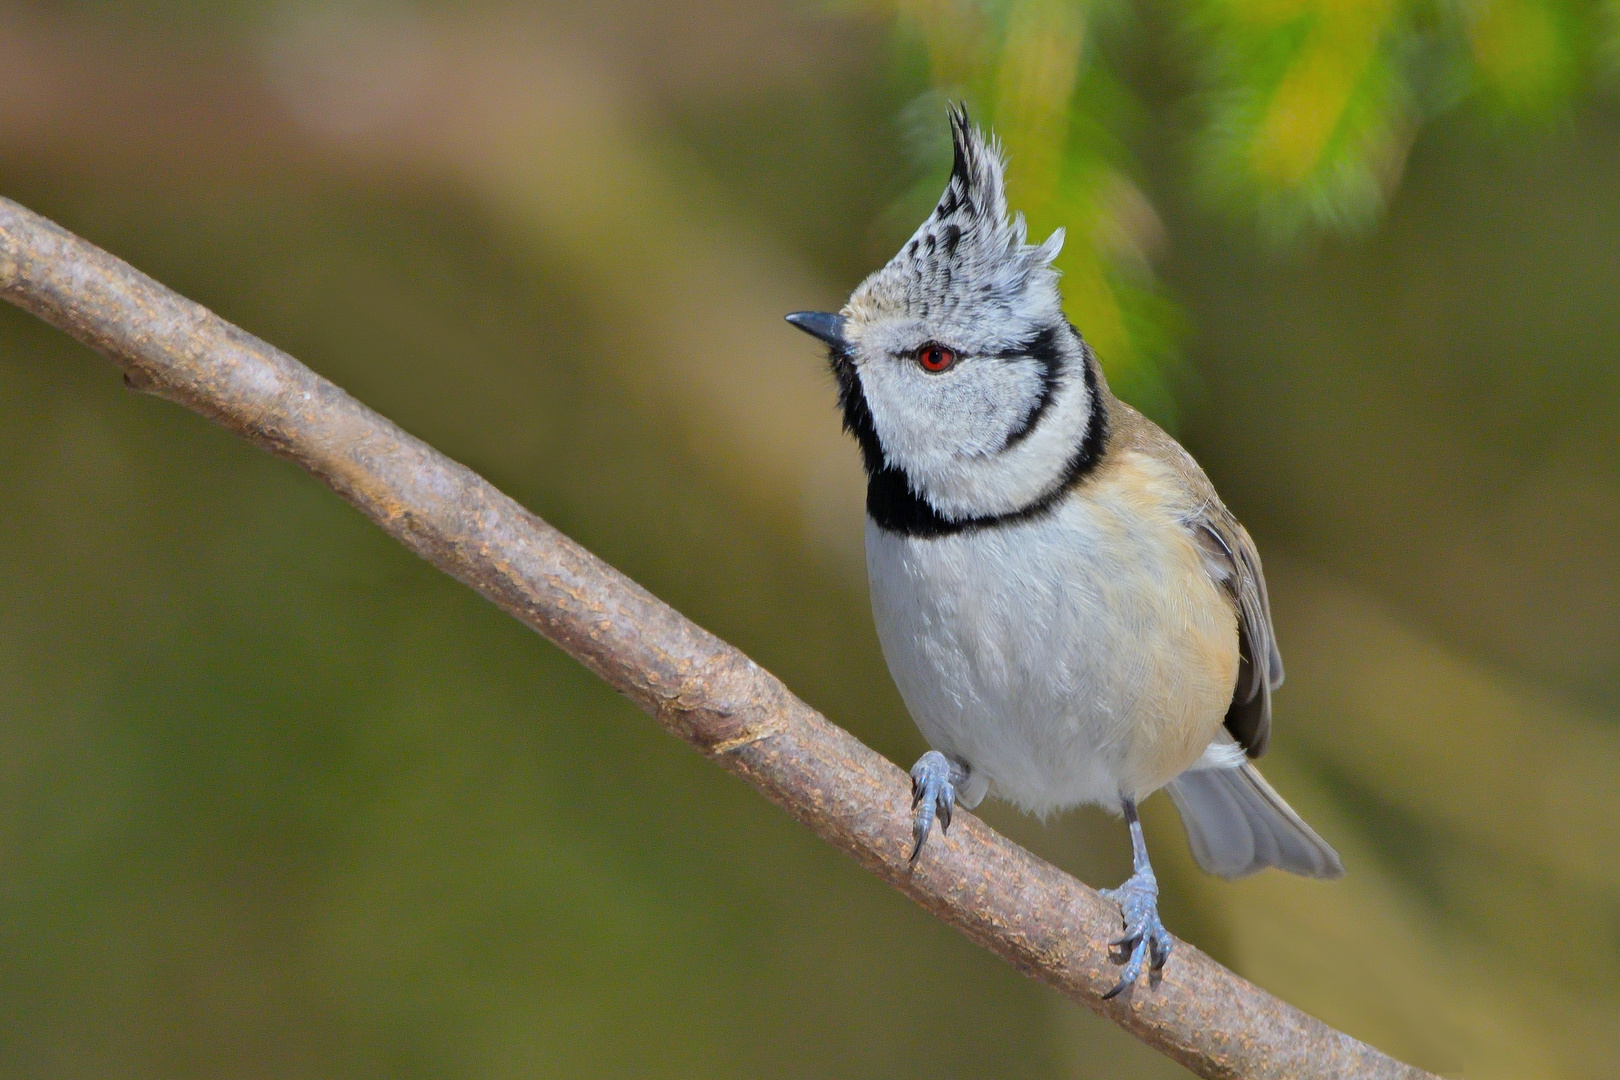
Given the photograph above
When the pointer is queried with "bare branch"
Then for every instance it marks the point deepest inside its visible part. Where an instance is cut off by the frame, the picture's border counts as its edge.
(1042, 921)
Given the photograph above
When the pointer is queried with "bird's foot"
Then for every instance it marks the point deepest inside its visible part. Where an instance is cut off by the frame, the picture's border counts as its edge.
(933, 792)
(1145, 936)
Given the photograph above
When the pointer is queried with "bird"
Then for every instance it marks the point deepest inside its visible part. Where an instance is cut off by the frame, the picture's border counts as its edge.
(1070, 613)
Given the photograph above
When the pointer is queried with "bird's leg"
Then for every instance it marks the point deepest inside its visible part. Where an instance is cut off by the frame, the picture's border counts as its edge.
(934, 780)
(1138, 899)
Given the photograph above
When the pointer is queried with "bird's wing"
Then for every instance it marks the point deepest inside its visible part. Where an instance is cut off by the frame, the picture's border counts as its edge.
(1234, 562)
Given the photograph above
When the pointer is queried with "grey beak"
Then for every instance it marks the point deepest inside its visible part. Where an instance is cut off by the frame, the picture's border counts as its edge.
(821, 324)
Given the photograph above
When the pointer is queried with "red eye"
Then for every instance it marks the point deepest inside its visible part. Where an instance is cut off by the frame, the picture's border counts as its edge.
(936, 358)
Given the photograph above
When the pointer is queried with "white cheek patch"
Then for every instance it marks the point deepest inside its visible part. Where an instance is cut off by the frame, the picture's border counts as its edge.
(950, 433)
(924, 421)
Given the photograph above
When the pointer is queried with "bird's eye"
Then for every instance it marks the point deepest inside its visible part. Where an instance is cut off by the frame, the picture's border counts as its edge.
(936, 358)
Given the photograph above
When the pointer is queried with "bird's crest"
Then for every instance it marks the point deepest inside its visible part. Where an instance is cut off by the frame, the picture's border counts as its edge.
(969, 252)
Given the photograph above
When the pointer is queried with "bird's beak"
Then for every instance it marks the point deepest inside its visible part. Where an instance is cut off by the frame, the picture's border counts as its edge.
(822, 324)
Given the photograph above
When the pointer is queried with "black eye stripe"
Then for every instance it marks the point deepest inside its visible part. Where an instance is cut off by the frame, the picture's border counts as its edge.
(1043, 349)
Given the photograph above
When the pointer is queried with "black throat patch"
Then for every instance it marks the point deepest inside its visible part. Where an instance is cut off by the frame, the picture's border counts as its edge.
(895, 507)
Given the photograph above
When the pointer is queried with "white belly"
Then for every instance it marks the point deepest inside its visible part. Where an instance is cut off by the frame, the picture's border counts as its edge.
(1073, 658)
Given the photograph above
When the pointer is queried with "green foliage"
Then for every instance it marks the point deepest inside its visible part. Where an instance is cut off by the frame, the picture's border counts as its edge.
(1305, 112)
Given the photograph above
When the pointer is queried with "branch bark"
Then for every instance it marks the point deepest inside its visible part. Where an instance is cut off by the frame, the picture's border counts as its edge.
(1039, 919)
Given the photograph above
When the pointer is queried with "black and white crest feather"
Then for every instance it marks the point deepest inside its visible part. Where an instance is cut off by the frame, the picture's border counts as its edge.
(969, 252)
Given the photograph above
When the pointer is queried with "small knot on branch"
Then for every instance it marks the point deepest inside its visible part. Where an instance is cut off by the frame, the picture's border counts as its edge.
(720, 707)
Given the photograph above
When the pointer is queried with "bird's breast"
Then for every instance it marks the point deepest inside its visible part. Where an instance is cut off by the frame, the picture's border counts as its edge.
(1071, 657)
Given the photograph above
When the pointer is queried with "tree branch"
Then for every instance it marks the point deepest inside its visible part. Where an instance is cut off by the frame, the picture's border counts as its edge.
(1042, 921)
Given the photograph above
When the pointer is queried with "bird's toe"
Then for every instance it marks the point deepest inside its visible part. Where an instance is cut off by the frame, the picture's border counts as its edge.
(1145, 942)
(933, 794)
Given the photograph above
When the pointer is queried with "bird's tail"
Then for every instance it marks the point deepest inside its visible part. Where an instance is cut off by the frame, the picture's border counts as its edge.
(1237, 824)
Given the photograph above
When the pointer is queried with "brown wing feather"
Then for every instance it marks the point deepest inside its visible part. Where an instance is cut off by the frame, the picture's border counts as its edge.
(1237, 564)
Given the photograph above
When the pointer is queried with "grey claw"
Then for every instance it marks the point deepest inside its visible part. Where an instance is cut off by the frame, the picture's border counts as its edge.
(1158, 951)
(1145, 936)
(933, 793)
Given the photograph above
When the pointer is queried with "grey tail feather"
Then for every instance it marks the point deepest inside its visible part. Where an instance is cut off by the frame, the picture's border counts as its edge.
(1237, 824)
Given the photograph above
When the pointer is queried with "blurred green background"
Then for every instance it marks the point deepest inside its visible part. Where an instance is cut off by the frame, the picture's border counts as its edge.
(278, 800)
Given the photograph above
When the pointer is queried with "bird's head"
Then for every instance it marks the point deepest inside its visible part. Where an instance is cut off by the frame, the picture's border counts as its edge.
(957, 370)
